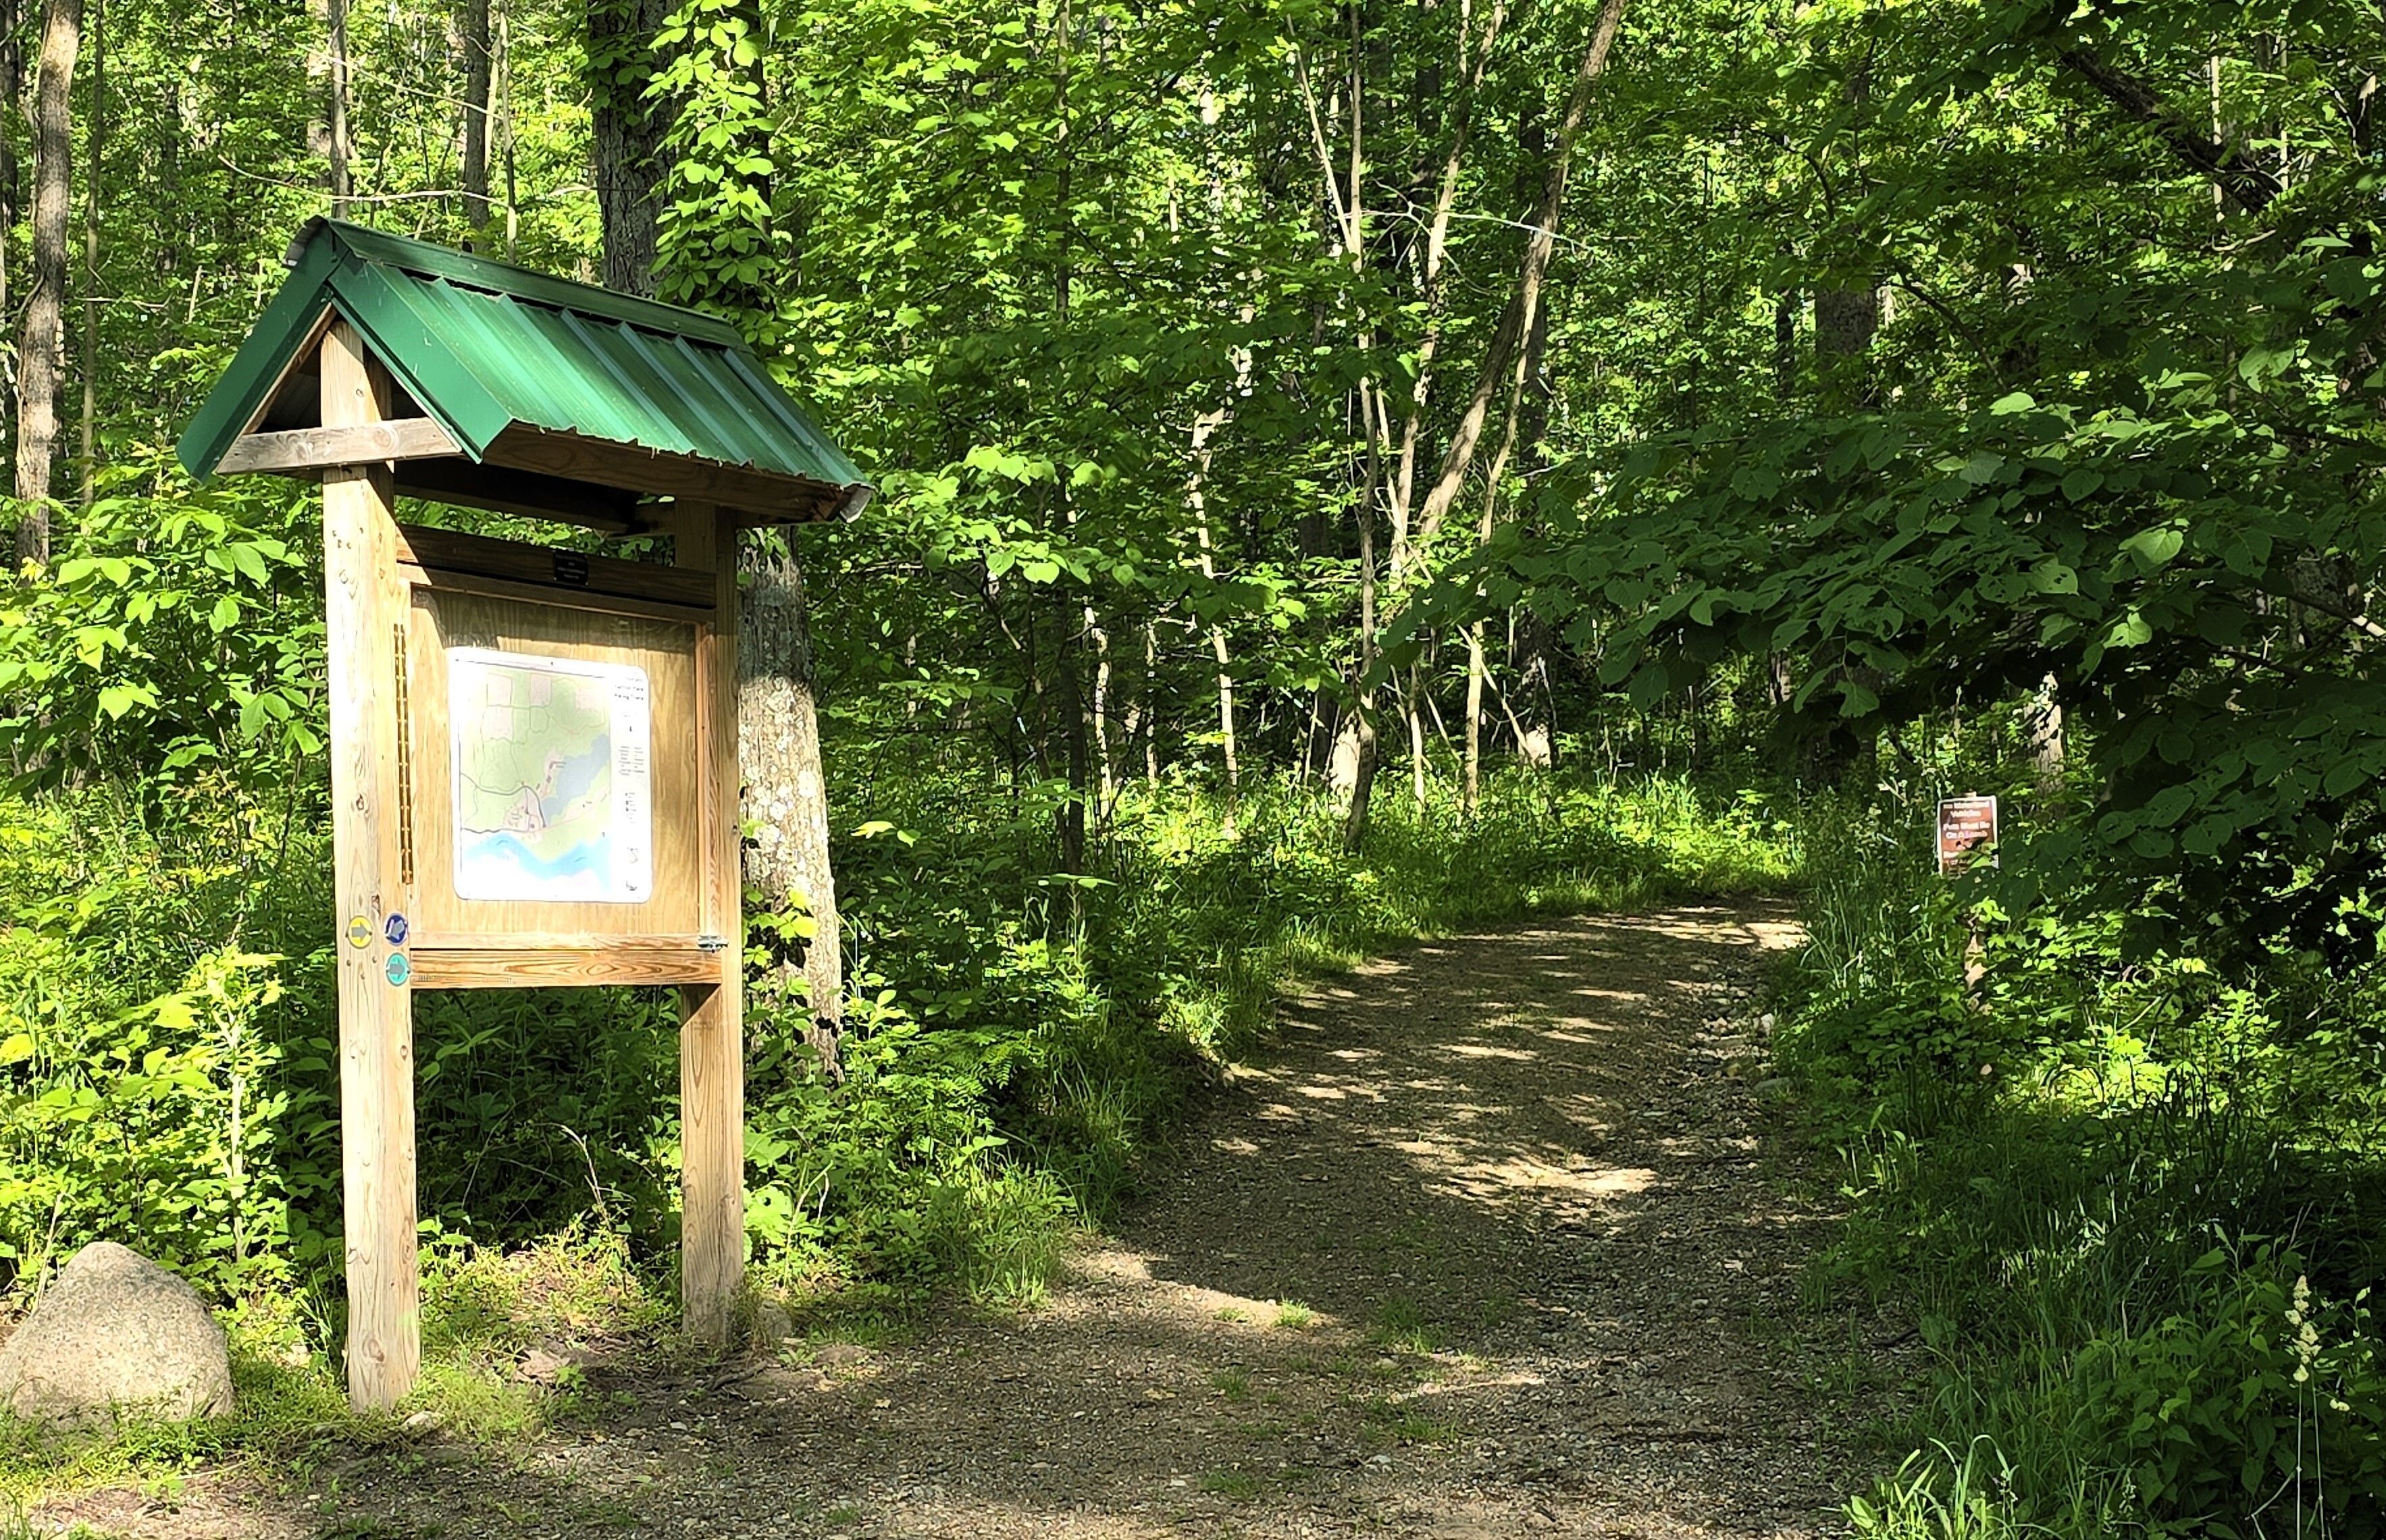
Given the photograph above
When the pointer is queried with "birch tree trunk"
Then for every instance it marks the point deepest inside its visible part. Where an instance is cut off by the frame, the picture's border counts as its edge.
(42, 342)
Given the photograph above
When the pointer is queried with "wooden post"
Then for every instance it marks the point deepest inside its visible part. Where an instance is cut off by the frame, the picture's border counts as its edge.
(364, 624)
(713, 1029)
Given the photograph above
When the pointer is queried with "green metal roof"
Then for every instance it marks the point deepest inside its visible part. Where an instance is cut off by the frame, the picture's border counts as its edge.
(483, 347)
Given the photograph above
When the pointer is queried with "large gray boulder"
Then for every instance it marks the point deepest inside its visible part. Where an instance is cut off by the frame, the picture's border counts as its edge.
(115, 1333)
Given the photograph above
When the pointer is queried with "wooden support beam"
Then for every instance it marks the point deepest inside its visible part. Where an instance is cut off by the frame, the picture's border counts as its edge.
(578, 575)
(760, 496)
(404, 438)
(481, 964)
(364, 620)
(712, 1030)
(505, 489)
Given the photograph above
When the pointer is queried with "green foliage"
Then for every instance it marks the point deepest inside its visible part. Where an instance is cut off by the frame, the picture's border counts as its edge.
(2130, 1206)
(179, 636)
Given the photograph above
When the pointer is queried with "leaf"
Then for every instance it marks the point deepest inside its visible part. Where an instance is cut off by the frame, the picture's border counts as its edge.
(2152, 548)
(2051, 576)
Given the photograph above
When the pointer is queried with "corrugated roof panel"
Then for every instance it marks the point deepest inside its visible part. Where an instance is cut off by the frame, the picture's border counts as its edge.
(484, 346)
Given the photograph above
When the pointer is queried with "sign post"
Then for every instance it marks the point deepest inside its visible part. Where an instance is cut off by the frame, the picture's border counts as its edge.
(534, 749)
(1965, 823)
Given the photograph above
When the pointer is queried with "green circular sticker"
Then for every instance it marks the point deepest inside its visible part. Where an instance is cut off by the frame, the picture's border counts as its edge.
(397, 969)
(359, 931)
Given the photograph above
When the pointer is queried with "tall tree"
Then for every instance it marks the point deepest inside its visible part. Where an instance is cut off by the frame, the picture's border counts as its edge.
(42, 343)
(1522, 314)
(628, 125)
(473, 27)
(694, 118)
(12, 91)
(93, 190)
(786, 800)
(336, 112)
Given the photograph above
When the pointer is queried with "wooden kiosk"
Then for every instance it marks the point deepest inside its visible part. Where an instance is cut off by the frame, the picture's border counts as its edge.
(534, 750)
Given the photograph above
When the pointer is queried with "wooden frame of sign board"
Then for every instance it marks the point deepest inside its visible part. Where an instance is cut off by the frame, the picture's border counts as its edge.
(399, 601)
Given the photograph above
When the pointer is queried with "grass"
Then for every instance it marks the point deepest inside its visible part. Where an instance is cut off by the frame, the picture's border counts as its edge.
(1242, 1485)
(2107, 1204)
(481, 1309)
(1401, 1326)
(1388, 1420)
(1291, 1315)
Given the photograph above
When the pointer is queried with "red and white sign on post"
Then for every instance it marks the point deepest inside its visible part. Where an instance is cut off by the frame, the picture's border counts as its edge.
(1964, 824)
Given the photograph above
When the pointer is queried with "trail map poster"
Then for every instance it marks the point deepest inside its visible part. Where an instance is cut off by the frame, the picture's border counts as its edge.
(553, 788)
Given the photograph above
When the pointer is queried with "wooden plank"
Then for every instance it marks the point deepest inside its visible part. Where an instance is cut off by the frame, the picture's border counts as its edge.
(768, 498)
(363, 613)
(665, 649)
(574, 572)
(405, 438)
(613, 962)
(431, 580)
(504, 489)
(712, 1030)
(559, 941)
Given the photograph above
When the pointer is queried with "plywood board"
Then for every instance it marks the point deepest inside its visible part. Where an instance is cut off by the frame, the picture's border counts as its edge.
(677, 874)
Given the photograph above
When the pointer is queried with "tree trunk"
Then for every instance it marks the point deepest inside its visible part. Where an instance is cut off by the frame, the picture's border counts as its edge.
(1477, 670)
(479, 78)
(1845, 322)
(628, 128)
(2046, 748)
(1363, 752)
(41, 343)
(1103, 763)
(1526, 309)
(1196, 501)
(786, 785)
(336, 177)
(12, 92)
(1070, 822)
(501, 68)
(88, 461)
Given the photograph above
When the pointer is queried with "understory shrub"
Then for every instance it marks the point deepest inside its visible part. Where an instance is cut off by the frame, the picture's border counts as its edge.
(2132, 1204)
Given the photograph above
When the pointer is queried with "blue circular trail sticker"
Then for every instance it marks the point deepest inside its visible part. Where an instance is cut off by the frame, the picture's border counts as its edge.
(397, 969)
(393, 930)
(359, 931)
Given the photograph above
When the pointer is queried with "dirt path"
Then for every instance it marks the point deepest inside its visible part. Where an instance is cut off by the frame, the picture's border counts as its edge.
(1485, 1243)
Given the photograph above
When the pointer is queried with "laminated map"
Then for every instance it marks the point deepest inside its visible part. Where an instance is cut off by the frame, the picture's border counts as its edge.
(553, 789)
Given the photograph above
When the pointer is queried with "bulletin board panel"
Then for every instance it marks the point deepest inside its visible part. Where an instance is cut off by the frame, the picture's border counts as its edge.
(516, 693)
